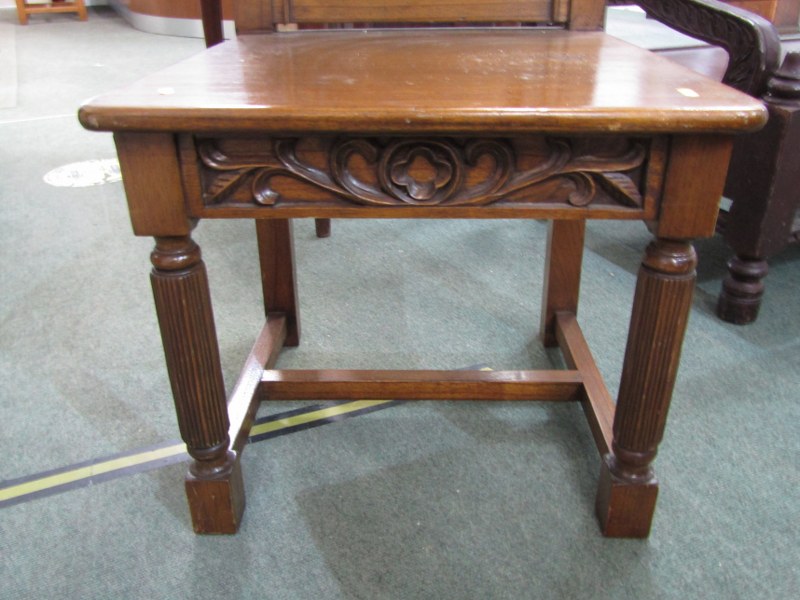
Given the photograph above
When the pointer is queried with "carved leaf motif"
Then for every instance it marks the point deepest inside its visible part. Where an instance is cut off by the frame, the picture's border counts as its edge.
(224, 183)
(621, 188)
(229, 176)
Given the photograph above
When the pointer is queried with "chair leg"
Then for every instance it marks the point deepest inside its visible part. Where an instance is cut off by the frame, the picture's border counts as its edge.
(742, 290)
(22, 14)
(562, 275)
(211, 14)
(323, 227)
(278, 280)
(762, 181)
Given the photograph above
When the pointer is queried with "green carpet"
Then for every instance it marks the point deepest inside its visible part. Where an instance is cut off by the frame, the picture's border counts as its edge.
(419, 500)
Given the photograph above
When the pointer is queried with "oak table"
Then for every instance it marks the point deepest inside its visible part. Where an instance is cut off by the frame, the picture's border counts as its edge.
(460, 123)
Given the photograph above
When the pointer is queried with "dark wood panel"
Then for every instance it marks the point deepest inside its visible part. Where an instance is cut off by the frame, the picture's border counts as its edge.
(413, 11)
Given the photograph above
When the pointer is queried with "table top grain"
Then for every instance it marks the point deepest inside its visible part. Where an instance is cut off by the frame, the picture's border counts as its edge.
(425, 81)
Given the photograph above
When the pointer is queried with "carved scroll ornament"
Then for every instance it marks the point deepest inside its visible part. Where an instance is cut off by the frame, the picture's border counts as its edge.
(425, 172)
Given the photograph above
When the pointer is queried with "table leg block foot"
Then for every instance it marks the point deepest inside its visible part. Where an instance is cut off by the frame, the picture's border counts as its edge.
(625, 509)
(217, 504)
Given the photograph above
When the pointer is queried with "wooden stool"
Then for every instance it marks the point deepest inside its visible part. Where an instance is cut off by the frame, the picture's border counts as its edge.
(73, 6)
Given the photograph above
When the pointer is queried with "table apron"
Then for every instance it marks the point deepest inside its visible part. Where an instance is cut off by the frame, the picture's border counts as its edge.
(564, 177)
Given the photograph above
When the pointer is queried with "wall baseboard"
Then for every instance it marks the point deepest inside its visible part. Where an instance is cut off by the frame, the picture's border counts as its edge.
(166, 25)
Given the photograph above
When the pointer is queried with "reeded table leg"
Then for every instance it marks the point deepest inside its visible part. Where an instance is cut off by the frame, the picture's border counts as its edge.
(180, 286)
(628, 488)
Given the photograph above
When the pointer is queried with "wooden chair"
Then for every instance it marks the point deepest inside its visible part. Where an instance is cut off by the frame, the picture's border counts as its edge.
(211, 14)
(762, 222)
(546, 117)
(764, 177)
(55, 6)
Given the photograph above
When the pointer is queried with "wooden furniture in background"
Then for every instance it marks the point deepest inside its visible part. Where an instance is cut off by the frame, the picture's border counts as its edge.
(211, 14)
(73, 6)
(764, 178)
(784, 14)
(562, 123)
(764, 184)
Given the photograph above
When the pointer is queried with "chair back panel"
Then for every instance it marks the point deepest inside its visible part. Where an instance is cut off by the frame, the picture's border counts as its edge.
(420, 11)
(271, 14)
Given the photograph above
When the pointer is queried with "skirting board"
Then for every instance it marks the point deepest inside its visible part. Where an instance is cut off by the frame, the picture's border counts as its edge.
(166, 25)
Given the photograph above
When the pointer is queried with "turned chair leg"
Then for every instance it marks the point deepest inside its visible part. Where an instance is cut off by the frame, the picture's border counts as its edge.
(762, 181)
(742, 290)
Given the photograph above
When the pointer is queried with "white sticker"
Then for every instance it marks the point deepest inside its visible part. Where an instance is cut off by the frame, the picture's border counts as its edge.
(688, 92)
(85, 174)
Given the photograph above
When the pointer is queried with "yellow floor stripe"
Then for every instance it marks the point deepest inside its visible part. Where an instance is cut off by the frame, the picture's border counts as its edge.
(37, 485)
(317, 415)
(116, 464)
(102, 467)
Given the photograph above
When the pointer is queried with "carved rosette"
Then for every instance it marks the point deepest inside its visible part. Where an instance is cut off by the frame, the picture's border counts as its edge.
(425, 172)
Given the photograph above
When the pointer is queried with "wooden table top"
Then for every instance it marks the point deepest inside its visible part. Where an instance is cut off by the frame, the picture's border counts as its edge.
(441, 80)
